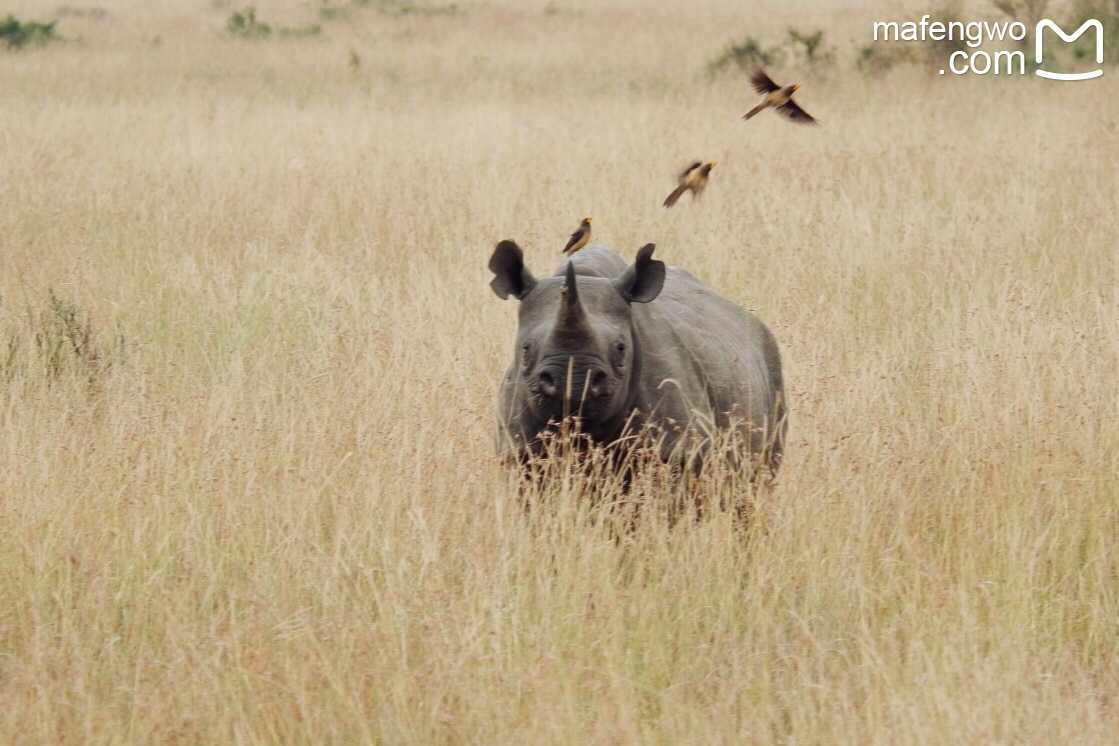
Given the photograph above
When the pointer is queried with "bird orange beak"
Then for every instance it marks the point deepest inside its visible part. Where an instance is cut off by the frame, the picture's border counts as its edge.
(796, 87)
(589, 219)
(714, 163)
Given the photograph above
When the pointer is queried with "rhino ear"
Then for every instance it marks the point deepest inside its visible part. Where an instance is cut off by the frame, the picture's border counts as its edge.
(511, 275)
(642, 281)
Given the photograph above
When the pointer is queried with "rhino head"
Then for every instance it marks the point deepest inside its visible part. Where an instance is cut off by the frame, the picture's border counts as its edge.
(576, 348)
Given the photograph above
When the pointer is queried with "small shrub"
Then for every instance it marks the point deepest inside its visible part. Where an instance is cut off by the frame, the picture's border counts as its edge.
(744, 55)
(243, 23)
(874, 59)
(330, 12)
(60, 343)
(407, 7)
(298, 32)
(1107, 13)
(880, 56)
(1029, 12)
(65, 339)
(16, 34)
(800, 47)
(809, 46)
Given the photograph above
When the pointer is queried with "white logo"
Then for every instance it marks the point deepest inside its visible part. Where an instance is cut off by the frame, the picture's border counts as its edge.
(1091, 23)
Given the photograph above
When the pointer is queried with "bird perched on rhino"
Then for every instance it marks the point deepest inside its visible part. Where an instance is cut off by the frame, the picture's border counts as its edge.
(580, 237)
(693, 178)
(778, 98)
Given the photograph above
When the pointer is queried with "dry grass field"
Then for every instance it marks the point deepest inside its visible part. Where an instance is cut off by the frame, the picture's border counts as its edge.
(248, 358)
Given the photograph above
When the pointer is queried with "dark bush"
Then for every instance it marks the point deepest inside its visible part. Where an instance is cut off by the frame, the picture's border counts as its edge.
(16, 34)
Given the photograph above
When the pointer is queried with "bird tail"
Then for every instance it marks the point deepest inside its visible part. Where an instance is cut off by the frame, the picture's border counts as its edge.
(754, 111)
(670, 200)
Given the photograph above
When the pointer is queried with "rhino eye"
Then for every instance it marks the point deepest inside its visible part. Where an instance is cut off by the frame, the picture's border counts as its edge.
(619, 356)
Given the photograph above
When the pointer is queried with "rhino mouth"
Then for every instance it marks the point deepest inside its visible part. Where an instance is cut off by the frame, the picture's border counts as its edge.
(559, 390)
(554, 412)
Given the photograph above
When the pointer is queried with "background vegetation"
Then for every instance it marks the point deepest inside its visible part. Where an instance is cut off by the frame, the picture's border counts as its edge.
(248, 360)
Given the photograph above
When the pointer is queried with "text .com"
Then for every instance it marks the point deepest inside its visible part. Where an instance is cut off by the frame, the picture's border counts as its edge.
(974, 33)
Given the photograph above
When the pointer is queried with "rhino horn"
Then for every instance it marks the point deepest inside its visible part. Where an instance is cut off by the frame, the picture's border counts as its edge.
(571, 319)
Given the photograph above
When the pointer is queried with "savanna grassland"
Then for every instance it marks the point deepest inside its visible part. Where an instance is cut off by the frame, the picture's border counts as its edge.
(248, 359)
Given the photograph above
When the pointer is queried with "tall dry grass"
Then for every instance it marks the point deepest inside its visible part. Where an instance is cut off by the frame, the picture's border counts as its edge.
(248, 359)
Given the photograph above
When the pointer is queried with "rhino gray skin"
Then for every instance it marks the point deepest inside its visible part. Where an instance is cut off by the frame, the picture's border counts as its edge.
(632, 347)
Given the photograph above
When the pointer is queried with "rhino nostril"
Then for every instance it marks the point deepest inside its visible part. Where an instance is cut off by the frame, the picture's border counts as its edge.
(548, 385)
(597, 386)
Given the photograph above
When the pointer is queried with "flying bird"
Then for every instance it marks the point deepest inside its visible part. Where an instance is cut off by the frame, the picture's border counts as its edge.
(779, 98)
(580, 237)
(693, 178)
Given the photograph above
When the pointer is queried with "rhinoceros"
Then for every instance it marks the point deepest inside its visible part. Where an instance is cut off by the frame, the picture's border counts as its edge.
(639, 349)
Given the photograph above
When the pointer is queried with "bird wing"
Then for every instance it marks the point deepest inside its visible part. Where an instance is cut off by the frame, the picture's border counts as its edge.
(689, 169)
(791, 111)
(574, 239)
(761, 82)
